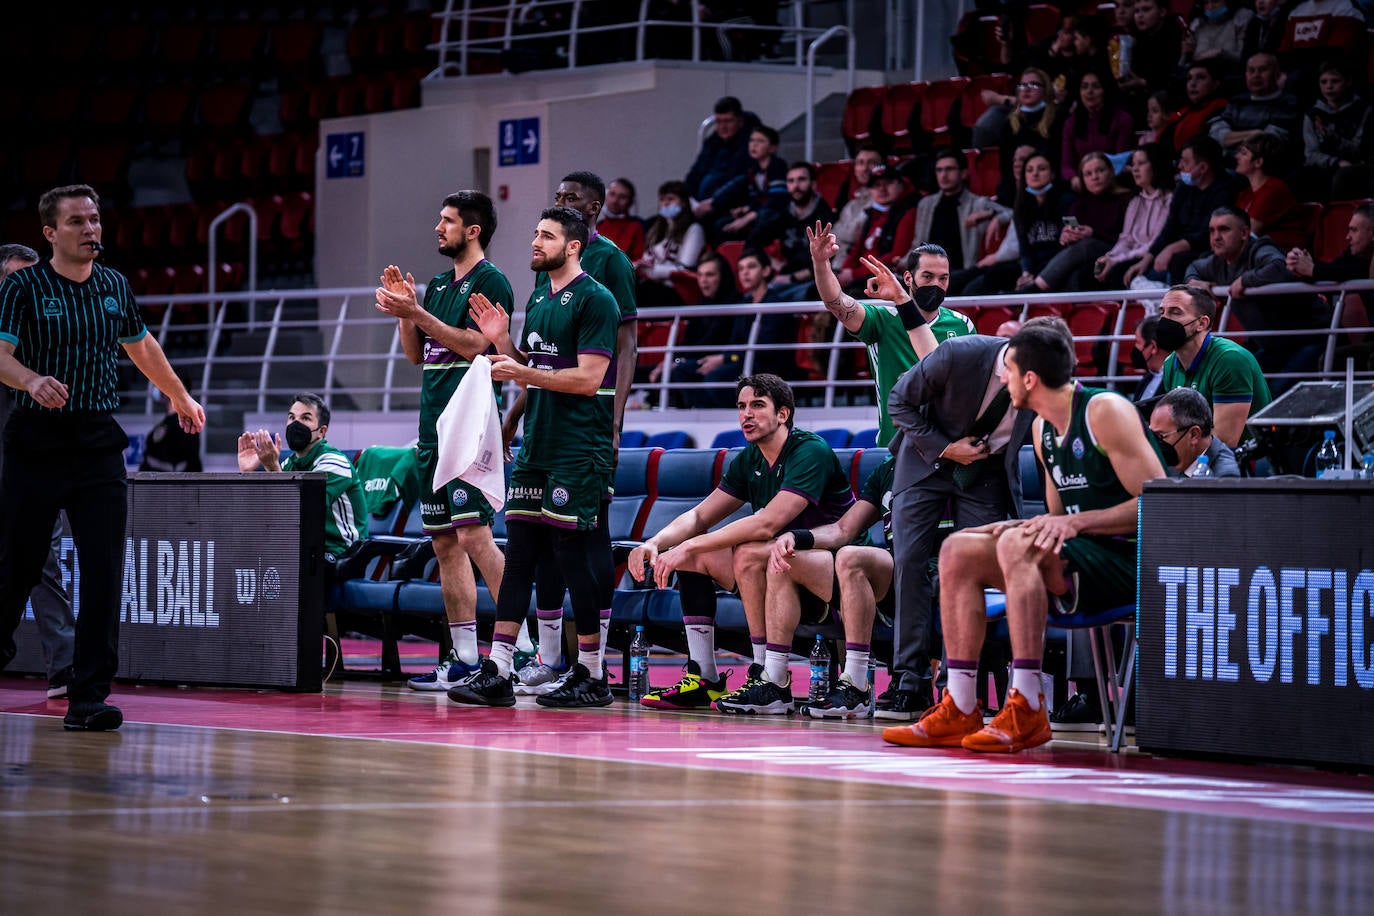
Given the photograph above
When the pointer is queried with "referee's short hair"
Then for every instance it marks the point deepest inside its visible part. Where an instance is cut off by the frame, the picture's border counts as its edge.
(590, 182)
(315, 401)
(766, 383)
(51, 200)
(476, 209)
(574, 226)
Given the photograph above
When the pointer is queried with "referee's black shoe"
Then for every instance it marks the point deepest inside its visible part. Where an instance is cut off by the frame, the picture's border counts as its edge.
(485, 688)
(92, 717)
(579, 689)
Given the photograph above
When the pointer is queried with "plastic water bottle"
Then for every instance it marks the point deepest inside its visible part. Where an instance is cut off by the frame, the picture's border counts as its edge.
(1204, 467)
(820, 671)
(1328, 457)
(1367, 469)
(639, 666)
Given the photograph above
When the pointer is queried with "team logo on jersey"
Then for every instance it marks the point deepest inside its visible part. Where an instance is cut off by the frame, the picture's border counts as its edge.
(566, 297)
(460, 497)
(467, 285)
(111, 305)
(1077, 447)
(1064, 481)
(52, 308)
(428, 348)
(559, 497)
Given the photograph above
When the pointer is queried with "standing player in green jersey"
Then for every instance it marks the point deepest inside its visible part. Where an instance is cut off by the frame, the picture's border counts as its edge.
(1081, 556)
(443, 338)
(561, 476)
(584, 192)
(790, 478)
(897, 335)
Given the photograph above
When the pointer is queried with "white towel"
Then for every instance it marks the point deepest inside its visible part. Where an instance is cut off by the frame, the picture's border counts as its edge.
(469, 429)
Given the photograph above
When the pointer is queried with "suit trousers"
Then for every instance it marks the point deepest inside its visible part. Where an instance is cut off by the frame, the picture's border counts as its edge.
(916, 515)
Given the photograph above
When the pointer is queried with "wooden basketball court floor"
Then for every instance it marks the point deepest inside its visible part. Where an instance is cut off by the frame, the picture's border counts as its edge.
(370, 798)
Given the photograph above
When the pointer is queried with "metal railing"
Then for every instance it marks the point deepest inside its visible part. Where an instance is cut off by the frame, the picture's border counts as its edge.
(203, 340)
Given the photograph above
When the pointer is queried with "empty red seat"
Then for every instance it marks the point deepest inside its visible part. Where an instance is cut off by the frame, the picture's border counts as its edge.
(113, 107)
(297, 220)
(987, 320)
(168, 107)
(861, 109)
(188, 280)
(900, 112)
(1042, 21)
(829, 177)
(971, 104)
(295, 46)
(937, 104)
(1086, 320)
(224, 106)
(103, 165)
(237, 45)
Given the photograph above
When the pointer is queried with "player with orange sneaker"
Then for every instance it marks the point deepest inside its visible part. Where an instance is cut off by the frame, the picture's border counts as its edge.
(1081, 555)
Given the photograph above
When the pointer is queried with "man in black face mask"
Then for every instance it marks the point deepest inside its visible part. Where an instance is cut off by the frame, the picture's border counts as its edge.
(345, 519)
(1226, 374)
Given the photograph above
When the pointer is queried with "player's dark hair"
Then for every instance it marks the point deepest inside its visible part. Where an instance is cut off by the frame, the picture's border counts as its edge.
(1188, 408)
(591, 183)
(1204, 303)
(1045, 346)
(476, 209)
(17, 252)
(574, 226)
(772, 386)
(768, 133)
(315, 401)
(913, 258)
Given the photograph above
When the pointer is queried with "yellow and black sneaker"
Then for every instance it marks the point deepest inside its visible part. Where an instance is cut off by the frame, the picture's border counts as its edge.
(692, 692)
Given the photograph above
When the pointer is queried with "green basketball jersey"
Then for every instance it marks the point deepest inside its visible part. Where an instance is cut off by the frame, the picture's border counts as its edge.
(446, 298)
(877, 491)
(806, 466)
(890, 352)
(1224, 372)
(569, 431)
(1076, 465)
(609, 266)
(345, 514)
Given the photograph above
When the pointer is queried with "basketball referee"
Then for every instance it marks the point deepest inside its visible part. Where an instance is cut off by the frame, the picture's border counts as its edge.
(60, 323)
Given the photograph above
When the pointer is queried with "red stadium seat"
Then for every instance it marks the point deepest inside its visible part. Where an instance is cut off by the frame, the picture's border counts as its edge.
(237, 45)
(168, 108)
(1086, 320)
(976, 48)
(295, 47)
(103, 166)
(937, 105)
(971, 104)
(652, 334)
(985, 170)
(829, 177)
(731, 252)
(987, 320)
(1330, 241)
(113, 108)
(224, 107)
(1298, 227)
(901, 113)
(1042, 21)
(861, 109)
(182, 46)
(685, 285)
(188, 280)
(298, 220)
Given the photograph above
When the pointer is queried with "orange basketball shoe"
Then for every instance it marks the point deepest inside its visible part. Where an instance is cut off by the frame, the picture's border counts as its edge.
(1016, 727)
(942, 725)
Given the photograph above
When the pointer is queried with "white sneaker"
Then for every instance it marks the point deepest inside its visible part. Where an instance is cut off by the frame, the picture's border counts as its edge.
(448, 673)
(537, 680)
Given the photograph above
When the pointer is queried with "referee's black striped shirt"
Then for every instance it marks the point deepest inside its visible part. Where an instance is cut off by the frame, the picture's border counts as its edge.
(70, 331)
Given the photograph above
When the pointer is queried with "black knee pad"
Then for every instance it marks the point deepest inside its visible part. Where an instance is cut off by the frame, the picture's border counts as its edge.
(698, 594)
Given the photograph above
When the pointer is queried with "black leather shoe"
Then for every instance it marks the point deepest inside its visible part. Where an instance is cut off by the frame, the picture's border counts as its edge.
(905, 705)
(92, 717)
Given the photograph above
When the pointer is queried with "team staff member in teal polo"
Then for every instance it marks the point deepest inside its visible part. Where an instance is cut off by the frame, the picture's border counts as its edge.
(62, 322)
(1221, 370)
(561, 476)
(1081, 555)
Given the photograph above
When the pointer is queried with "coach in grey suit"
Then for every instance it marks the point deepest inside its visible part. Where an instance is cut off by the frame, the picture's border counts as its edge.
(957, 443)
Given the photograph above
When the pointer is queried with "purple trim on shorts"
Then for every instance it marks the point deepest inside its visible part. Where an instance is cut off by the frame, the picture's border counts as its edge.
(549, 615)
(502, 637)
(777, 647)
(699, 621)
(856, 647)
(1026, 664)
(757, 640)
(961, 664)
(806, 496)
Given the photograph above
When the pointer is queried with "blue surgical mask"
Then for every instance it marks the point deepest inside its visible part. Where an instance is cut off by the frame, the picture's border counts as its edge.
(1214, 15)
(1186, 178)
(670, 211)
(1032, 109)
(1040, 193)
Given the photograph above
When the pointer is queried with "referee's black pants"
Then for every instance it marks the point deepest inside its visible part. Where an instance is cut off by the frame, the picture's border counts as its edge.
(74, 462)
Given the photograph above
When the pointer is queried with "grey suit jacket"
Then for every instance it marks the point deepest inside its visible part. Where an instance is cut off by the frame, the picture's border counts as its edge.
(937, 402)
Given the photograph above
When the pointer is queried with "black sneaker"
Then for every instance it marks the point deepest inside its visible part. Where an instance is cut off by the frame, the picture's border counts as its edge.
(485, 688)
(59, 682)
(1080, 713)
(845, 702)
(92, 717)
(579, 689)
(905, 705)
(757, 697)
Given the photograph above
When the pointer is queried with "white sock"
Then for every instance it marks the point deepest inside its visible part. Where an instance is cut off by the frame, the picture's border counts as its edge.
(760, 650)
(775, 666)
(502, 656)
(605, 632)
(591, 660)
(963, 688)
(523, 643)
(465, 641)
(1027, 683)
(550, 637)
(701, 648)
(856, 666)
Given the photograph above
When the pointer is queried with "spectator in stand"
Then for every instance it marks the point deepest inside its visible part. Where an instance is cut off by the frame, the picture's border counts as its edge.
(724, 155)
(1156, 117)
(716, 279)
(1217, 34)
(1221, 370)
(618, 223)
(1148, 357)
(1355, 263)
(1242, 262)
(1271, 206)
(1157, 44)
(1096, 124)
(1317, 29)
(1119, 46)
(755, 271)
(1205, 102)
(1203, 185)
(1008, 253)
(1039, 218)
(743, 202)
(1264, 32)
(1034, 121)
(889, 227)
(169, 448)
(856, 198)
(1263, 108)
(1152, 171)
(953, 218)
(1091, 228)
(1182, 424)
(1079, 42)
(674, 241)
(792, 278)
(1338, 138)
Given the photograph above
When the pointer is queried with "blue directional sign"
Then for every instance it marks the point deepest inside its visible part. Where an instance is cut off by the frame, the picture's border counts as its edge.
(344, 155)
(518, 142)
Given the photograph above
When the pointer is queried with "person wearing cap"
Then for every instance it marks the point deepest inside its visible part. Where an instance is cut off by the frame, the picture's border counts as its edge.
(888, 231)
